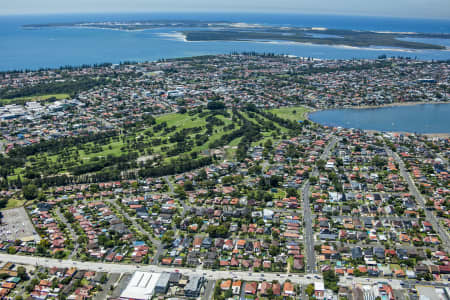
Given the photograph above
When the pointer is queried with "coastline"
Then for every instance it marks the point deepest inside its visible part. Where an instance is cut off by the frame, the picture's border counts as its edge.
(398, 104)
(338, 46)
(429, 135)
(386, 41)
(375, 106)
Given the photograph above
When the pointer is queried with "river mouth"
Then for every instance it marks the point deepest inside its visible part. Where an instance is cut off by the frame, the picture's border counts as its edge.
(420, 118)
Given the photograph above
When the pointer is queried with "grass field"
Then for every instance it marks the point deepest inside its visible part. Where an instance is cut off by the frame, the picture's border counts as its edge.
(295, 113)
(14, 203)
(34, 98)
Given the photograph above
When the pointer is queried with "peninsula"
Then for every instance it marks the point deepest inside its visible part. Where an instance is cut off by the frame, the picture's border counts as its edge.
(232, 31)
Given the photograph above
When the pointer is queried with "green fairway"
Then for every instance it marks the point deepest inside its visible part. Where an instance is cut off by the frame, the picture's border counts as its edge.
(14, 203)
(173, 136)
(34, 98)
(294, 113)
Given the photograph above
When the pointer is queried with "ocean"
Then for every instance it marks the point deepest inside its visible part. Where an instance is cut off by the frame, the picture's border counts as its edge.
(54, 47)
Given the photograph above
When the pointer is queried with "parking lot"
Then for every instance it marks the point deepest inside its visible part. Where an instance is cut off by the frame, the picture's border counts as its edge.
(16, 225)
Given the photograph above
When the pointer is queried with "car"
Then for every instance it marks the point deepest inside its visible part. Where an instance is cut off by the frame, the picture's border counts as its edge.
(278, 275)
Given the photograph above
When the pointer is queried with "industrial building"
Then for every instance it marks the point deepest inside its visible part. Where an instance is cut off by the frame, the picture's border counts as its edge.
(162, 284)
(194, 286)
(141, 286)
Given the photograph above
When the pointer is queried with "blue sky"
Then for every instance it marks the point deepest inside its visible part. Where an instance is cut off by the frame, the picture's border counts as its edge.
(398, 8)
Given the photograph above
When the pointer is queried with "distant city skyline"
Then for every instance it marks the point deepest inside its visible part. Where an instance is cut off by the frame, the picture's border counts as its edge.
(388, 8)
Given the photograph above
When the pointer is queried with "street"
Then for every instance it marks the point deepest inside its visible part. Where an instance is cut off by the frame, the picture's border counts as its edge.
(155, 242)
(307, 215)
(209, 274)
(430, 217)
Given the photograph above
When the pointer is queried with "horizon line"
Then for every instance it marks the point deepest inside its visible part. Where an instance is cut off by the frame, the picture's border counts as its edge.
(281, 12)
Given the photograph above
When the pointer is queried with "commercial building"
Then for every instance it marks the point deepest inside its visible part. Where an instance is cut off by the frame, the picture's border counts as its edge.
(141, 286)
(162, 284)
(194, 286)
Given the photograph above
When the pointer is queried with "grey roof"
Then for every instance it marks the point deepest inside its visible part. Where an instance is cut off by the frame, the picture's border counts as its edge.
(194, 284)
(163, 280)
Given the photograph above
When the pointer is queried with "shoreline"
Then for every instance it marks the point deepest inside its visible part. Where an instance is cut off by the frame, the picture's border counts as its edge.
(398, 104)
(430, 135)
(374, 106)
(240, 25)
(339, 46)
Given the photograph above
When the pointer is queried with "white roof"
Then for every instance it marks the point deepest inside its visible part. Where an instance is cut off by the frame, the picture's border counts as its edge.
(268, 212)
(427, 292)
(141, 286)
(319, 286)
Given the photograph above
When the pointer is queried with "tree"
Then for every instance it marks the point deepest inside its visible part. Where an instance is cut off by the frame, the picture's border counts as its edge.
(41, 196)
(331, 280)
(255, 169)
(188, 186)
(321, 164)
(268, 144)
(291, 192)
(213, 105)
(313, 180)
(202, 175)
(43, 246)
(30, 192)
(94, 188)
(179, 191)
(104, 279)
(227, 180)
(218, 231)
(228, 294)
(274, 250)
(270, 293)
(310, 290)
(167, 238)
(22, 273)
